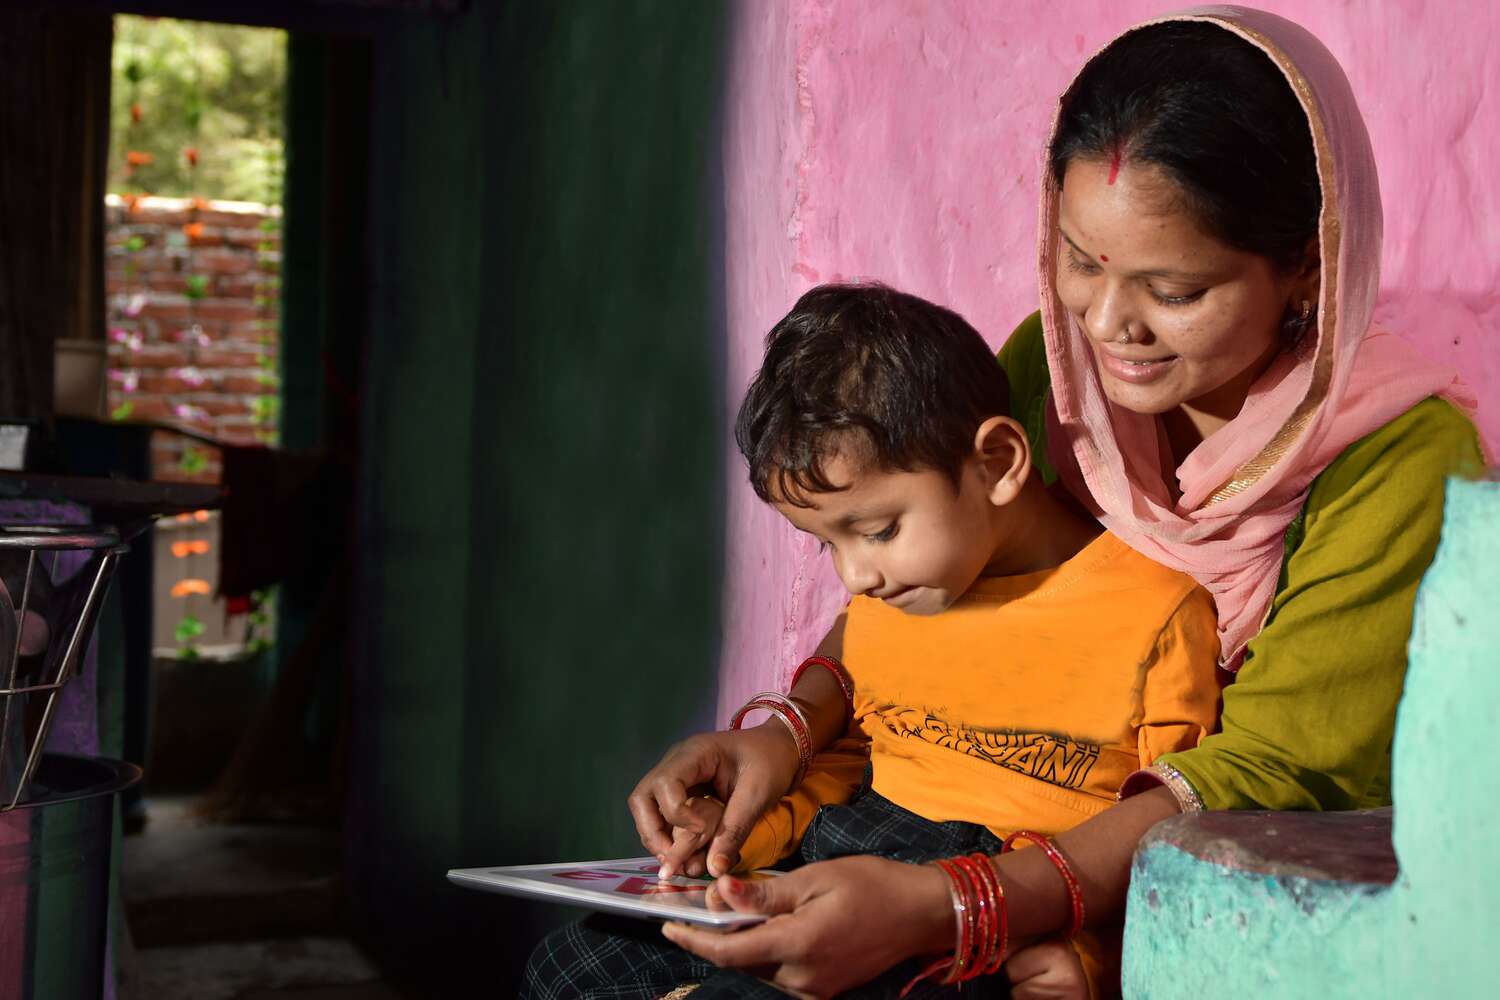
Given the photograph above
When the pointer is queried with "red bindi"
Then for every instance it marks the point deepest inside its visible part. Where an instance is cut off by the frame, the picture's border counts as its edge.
(1114, 165)
(1104, 257)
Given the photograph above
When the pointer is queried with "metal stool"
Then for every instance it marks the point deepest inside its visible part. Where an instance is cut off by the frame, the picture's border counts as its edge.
(45, 627)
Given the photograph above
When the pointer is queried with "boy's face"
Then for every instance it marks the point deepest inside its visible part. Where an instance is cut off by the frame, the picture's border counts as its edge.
(907, 538)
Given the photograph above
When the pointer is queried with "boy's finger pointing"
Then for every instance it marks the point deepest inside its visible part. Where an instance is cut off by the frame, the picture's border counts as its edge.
(655, 833)
(745, 806)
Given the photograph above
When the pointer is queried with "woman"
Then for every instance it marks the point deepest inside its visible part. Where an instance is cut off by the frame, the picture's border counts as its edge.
(1209, 261)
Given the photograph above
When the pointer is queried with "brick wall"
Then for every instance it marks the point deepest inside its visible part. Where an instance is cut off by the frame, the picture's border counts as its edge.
(193, 293)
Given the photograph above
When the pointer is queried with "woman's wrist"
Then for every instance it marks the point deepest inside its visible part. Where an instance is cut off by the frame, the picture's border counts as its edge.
(780, 743)
(821, 699)
(932, 913)
(1037, 898)
(792, 717)
(1099, 853)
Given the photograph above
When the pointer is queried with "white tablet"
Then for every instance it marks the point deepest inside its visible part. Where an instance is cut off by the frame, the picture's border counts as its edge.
(627, 886)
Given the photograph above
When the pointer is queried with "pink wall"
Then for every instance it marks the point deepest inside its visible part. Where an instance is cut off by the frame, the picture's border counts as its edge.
(903, 142)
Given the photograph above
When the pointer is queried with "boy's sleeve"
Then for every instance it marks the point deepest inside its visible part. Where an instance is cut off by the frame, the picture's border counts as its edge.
(1180, 700)
(832, 778)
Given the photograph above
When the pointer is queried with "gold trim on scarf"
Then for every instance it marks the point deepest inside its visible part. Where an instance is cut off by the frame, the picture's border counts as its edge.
(1283, 440)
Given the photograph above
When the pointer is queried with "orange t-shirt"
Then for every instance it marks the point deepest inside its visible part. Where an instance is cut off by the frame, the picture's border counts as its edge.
(1024, 705)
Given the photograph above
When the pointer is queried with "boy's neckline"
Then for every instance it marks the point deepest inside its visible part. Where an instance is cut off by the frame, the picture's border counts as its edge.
(1102, 547)
(1047, 534)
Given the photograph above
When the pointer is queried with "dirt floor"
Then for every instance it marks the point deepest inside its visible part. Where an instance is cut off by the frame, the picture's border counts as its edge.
(237, 912)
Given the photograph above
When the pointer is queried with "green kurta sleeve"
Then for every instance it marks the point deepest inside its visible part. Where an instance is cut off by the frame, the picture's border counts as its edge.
(1308, 722)
(1024, 358)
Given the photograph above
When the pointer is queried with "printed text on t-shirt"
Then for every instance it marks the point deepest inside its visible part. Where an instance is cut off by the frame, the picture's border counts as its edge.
(1054, 759)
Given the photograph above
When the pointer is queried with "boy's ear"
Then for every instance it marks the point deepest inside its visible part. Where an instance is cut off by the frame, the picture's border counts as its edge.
(1004, 454)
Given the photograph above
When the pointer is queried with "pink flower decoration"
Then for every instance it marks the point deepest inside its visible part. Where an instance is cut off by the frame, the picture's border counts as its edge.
(135, 304)
(193, 335)
(186, 411)
(130, 338)
(191, 376)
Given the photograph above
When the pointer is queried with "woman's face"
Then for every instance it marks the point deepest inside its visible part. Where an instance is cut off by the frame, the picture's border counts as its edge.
(1175, 317)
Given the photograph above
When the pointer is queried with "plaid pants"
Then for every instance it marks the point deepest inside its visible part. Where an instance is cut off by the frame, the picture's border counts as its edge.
(615, 958)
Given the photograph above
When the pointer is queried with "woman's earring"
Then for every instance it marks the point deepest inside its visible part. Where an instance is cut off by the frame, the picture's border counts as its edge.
(1293, 327)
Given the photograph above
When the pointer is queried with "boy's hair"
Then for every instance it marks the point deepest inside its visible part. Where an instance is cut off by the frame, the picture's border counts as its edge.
(869, 371)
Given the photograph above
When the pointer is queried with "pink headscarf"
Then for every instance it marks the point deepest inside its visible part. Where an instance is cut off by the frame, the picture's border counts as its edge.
(1242, 486)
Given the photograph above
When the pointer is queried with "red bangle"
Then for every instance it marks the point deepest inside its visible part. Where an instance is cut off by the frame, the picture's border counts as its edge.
(996, 893)
(1075, 891)
(991, 956)
(985, 923)
(791, 716)
(839, 674)
(963, 909)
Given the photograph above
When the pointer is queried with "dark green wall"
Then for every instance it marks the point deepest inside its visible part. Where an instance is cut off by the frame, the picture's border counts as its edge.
(542, 448)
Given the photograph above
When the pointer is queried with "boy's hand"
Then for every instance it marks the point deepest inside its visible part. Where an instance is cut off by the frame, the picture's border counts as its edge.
(1049, 970)
(692, 841)
(748, 769)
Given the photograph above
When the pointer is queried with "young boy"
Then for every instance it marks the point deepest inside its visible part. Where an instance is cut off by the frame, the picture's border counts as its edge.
(1011, 664)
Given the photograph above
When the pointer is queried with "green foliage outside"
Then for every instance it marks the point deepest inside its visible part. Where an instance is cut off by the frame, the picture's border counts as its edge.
(211, 88)
(186, 632)
(258, 624)
(192, 461)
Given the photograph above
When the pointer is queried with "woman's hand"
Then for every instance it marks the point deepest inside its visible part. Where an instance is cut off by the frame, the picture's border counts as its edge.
(749, 769)
(835, 924)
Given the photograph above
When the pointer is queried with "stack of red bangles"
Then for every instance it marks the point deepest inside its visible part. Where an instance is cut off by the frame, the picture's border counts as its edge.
(790, 713)
(980, 914)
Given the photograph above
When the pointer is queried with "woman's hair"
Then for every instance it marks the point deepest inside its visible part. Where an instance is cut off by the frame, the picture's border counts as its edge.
(1217, 115)
(874, 374)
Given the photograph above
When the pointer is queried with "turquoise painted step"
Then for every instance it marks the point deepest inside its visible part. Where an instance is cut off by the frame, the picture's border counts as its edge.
(1327, 905)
